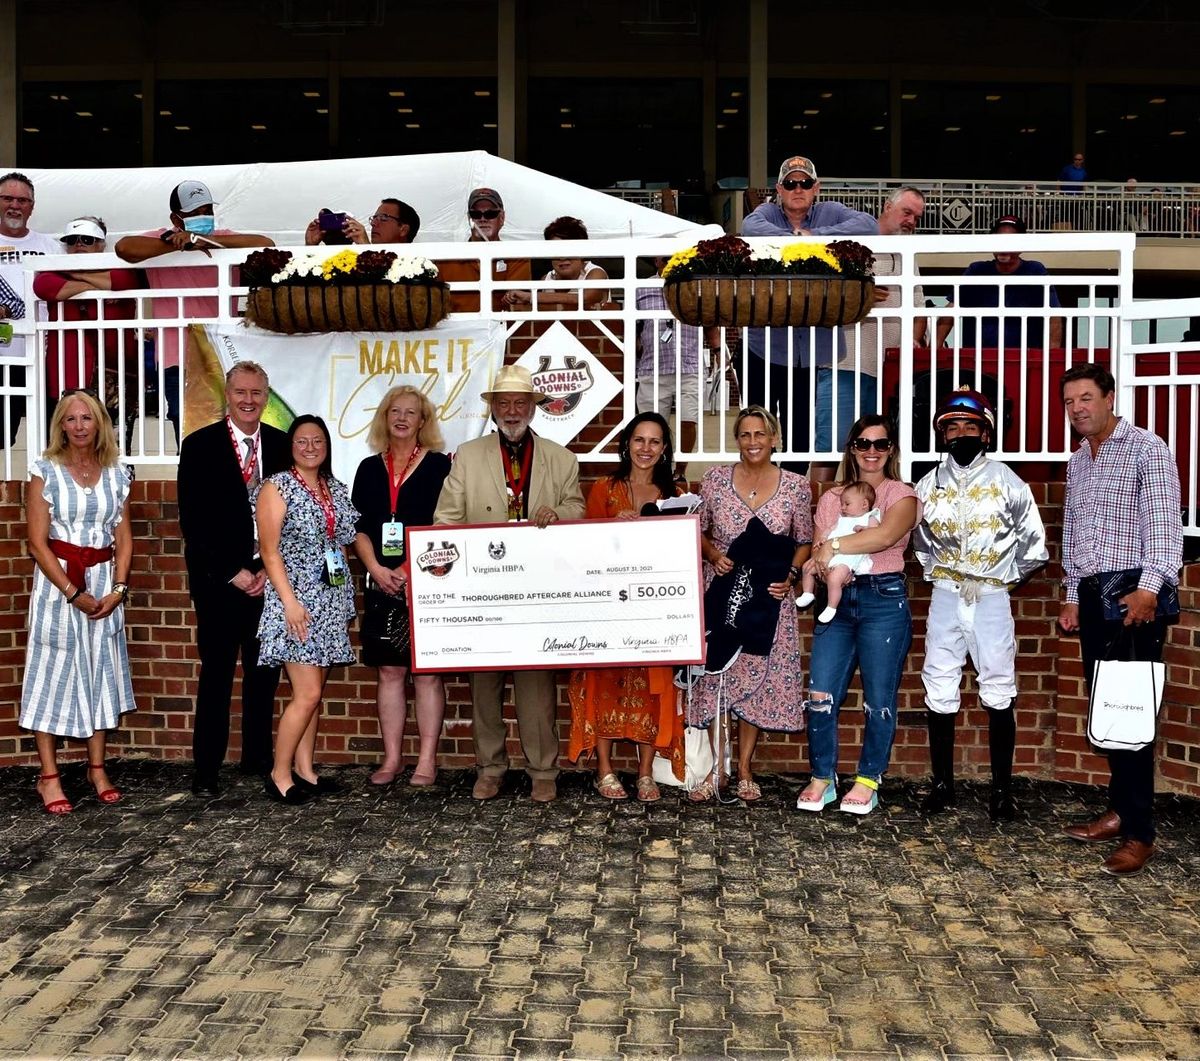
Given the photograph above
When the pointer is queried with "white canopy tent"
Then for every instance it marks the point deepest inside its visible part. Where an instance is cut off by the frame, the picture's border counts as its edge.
(279, 199)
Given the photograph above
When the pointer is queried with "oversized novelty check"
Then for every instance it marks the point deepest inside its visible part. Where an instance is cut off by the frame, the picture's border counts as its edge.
(592, 593)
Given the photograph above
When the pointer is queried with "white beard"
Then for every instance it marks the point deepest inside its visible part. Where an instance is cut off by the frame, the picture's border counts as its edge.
(511, 433)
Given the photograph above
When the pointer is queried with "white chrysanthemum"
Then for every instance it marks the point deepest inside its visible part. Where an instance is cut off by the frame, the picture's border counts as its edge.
(410, 269)
(766, 251)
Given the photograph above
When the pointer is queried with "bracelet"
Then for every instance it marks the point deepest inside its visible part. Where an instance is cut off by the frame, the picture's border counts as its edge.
(795, 574)
(75, 596)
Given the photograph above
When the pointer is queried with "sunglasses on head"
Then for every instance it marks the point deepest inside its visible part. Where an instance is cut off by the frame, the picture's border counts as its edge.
(85, 241)
(790, 185)
(864, 444)
(483, 215)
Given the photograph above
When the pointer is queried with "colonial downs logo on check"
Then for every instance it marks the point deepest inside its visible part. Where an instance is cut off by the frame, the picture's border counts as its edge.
(592, 593)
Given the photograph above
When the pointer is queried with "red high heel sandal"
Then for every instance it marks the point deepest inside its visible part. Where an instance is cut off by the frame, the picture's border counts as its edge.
(109, 795)
(55, 806)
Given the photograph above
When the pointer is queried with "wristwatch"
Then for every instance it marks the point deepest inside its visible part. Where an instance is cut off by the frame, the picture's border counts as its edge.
(122, 589)
(835, 544)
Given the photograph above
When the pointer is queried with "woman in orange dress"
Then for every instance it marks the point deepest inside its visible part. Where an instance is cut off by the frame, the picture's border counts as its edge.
(629, 703)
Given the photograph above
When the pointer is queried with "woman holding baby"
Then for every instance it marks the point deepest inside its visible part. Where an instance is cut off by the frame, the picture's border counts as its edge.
(871, 626)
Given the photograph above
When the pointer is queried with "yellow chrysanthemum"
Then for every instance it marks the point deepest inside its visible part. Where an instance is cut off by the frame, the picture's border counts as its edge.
(677, 259)
(342, 262)
(796, 252)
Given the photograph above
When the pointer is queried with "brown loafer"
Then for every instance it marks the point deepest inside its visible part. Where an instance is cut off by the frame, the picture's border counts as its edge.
(1098, 830)
(487, 786)
(544, 790)
(1128, 859)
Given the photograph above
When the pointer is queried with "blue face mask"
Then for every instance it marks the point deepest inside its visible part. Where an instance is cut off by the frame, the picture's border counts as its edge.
(201, 224)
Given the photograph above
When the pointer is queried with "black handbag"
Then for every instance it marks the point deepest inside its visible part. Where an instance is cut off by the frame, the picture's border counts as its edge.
(385, 621)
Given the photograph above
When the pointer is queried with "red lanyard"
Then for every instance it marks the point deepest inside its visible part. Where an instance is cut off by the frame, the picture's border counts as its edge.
(393, 486)
(323, 500)
(517, 486)
(248, 467)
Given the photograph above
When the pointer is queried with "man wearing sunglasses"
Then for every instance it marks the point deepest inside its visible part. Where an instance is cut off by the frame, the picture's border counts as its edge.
(796, 212)
(17, 242)
(980, 534)
(78, 349)
(485, 219)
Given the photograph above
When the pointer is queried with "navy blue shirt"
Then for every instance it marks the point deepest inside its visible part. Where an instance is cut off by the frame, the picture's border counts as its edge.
(1016, 296)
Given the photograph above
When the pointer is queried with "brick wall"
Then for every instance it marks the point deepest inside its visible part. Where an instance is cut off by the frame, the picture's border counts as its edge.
(1052, 706)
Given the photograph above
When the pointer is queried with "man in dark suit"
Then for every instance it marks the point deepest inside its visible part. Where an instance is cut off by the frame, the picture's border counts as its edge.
(220, 466)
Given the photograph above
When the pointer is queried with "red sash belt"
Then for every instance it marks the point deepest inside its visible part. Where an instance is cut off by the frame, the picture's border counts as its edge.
(79, 558)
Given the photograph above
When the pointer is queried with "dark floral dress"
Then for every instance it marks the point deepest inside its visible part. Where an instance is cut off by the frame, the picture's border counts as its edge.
(302, 545)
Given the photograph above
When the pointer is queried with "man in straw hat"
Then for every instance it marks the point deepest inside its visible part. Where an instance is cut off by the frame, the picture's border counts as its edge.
(513, 476)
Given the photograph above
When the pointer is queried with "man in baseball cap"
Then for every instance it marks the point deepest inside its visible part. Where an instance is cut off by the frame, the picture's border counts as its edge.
(193, 231)
(485, 216)
(796, 212)
(980, 534)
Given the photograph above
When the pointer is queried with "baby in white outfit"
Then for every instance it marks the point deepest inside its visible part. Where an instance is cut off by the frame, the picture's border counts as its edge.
(858, 511)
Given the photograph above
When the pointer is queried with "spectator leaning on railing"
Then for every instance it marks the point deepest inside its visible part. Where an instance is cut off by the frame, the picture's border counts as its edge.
(17, 241)
(1016, 296)
(566, 269)
(193, 229)
(485, 211)
(797, 213)
(83, 237)
(865, 346)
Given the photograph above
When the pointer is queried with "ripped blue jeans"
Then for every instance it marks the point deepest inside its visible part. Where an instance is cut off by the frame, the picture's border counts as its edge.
(872, 631)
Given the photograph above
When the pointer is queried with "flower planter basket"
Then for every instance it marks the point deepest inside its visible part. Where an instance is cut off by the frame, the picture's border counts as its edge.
(776, 301)
(405, 306)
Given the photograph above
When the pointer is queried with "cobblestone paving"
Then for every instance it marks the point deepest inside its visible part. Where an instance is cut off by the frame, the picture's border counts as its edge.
(418, 923)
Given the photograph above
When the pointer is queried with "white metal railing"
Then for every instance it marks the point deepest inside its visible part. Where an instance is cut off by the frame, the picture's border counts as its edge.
(1160, 381)
(910, 378)
(969, 206)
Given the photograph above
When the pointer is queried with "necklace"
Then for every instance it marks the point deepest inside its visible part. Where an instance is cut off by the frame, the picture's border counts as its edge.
(85, 476)
(757, 483)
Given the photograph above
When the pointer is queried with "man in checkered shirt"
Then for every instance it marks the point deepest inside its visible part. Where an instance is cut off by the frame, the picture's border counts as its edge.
(1122, 551)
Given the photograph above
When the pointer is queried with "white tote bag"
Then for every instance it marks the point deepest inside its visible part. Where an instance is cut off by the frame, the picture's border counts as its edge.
(1126, 698)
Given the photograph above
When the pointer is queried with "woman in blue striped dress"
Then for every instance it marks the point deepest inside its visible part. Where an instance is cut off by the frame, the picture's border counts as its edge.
(76, 662)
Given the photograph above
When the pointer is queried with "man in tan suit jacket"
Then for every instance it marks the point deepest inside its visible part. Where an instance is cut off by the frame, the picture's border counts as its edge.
(510, 476)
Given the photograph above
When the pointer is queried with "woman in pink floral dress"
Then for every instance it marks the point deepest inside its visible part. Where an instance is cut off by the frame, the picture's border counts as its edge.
(761, 692)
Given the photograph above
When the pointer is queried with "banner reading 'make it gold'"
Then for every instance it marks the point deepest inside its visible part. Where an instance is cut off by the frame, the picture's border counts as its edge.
(342, 376)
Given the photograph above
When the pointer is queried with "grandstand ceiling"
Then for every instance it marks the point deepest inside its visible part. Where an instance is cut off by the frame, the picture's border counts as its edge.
(680, 92)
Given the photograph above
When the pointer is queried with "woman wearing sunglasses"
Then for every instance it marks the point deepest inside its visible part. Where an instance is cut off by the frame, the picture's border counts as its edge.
(872, 629)
(74, 359)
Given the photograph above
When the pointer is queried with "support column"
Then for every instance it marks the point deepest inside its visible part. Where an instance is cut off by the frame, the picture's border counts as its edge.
(1079, 135)
(511, 115)
(333, 93)
(149, 113)
(10, 85)
(708, 112)
(757, 146)
(895, 126)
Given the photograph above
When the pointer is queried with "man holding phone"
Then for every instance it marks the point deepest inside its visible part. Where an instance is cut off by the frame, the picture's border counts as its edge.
(393, 221)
